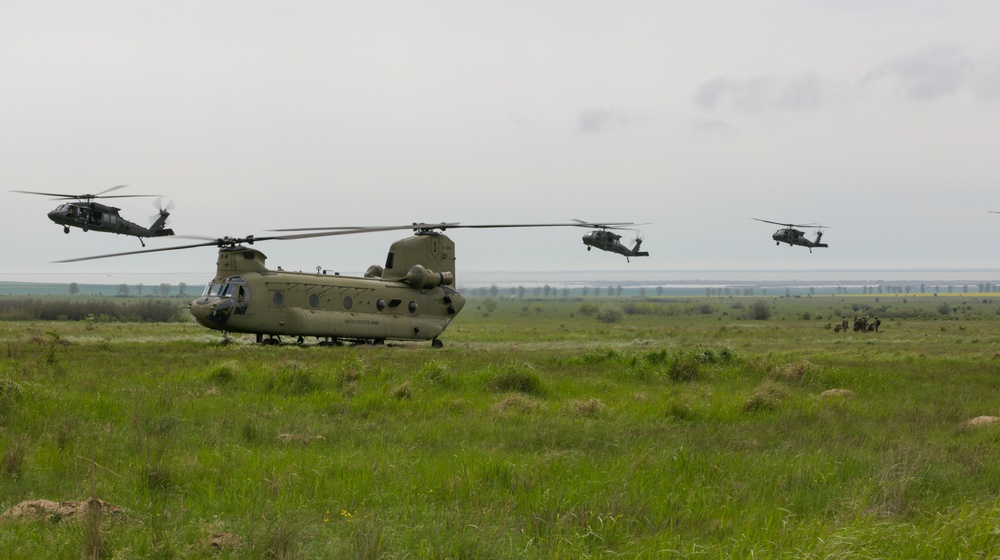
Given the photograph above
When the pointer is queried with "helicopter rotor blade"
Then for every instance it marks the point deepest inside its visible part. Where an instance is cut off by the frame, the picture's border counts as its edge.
(445, 226)
(174, 248)
(608, 225)
(87, 196)
(114, 188)
(231, 242)
(791, 225)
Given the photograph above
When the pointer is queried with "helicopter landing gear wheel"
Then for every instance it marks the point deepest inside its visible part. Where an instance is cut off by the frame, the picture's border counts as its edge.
(588, 248)
(65, 229)
(300, 341)
(436, 343)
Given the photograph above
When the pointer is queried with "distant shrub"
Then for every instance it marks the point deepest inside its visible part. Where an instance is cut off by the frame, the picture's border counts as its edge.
(759, 311)
(609, 315)
(101, 310)
(648, 308)
(587, 308)
(600, 356)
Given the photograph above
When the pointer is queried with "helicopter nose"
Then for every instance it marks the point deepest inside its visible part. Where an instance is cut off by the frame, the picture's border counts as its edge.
(55, 215)
(212, 312)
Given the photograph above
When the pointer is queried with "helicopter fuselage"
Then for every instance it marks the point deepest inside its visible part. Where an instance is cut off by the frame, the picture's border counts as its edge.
(101, 217)
(610, 241)
(385, 304)
(793, 236)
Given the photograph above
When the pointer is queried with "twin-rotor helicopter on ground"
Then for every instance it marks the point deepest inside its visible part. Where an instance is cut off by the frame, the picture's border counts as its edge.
(411, 297)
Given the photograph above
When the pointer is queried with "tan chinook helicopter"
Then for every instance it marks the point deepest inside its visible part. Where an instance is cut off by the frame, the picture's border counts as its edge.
(412, 297)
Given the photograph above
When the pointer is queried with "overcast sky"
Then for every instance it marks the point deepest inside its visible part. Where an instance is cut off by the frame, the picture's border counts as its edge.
(877, 118)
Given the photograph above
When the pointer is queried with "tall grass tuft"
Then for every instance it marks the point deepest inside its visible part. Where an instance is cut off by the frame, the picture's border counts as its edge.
(519, 377)
(294, 380)
(589, 408)
(369, 540)
(10, 391)
(766, 396)
(436, 373)
(280, 541)
(13, 457)
(94, 545)
(222, 373)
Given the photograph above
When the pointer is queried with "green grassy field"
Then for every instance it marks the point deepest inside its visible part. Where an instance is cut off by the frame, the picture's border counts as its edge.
(600, 428)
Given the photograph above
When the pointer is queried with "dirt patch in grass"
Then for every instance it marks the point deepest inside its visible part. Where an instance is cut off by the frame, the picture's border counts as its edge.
(983, 420)
(55, 511)
(223, 541)
(837, 393)
(299, 438)
(515, 403)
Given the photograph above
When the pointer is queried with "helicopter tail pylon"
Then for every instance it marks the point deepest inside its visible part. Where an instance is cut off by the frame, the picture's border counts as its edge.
(158, 229)
(635, 249)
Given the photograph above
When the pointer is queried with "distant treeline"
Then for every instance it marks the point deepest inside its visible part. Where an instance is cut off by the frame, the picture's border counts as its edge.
(103, 310)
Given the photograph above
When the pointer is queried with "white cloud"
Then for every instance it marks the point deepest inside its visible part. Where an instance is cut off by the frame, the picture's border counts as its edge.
(924, 75)
(600, 119)
(798, 92)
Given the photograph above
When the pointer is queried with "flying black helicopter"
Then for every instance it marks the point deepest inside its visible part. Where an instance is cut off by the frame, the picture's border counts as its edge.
(412, 297)
(606, 240)
(788, 234)
(88, 215)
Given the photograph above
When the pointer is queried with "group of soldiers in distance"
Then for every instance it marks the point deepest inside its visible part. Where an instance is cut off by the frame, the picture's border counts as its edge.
(861, 324)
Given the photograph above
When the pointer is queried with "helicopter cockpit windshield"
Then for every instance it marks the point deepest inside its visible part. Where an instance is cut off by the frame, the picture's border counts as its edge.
(235, 288)
(232, 287)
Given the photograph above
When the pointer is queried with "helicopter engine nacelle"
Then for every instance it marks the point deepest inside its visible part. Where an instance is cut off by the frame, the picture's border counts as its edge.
(374, 271)
(421, 278)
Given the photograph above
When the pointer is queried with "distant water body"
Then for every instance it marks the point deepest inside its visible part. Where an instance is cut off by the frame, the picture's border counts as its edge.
(624, 281)
(731, 278)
